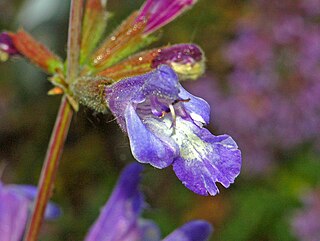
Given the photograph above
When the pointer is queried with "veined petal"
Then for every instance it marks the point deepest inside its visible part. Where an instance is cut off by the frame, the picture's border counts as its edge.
(201, 163)
(162, 81)
(119, 216)
(159, 13)
(193, 231)
(198, 108)
(145, 146)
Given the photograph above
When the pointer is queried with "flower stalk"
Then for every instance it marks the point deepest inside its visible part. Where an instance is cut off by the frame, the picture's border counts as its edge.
(61, 128)
(49, 169)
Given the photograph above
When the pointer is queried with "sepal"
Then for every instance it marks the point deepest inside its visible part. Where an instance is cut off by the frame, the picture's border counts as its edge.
(94, 24)
(89, 91)
(124, 41)
(36, 52)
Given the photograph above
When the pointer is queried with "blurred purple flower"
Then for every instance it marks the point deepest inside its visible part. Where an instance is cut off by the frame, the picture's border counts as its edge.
(192, 231)
(120, 218)
(272, 101)
(15, 204)
(165, 127)
(306, 222)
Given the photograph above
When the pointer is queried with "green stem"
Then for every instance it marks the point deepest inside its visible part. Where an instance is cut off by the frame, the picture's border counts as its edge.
(61, 128)
(49, 169)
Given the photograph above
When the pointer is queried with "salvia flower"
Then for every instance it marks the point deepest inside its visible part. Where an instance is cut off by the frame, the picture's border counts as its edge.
(120, 217)
(165, 127)
(15, 204)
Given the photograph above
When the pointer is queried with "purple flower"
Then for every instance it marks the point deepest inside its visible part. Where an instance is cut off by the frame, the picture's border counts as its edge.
(15, 204)
(165, 127)
(119, 219)
(160, 12)
(193, 231)
(13, 214)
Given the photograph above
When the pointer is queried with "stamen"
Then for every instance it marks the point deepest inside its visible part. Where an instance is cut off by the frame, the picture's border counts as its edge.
(180, 100)
(173, 114)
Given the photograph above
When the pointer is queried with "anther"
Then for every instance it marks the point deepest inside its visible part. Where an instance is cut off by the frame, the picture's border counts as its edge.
(180, 100)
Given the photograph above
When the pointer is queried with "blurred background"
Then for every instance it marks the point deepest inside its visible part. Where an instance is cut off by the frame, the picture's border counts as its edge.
(263, 85)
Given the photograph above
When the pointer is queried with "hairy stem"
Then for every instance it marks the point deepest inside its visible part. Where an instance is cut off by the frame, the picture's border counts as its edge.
(61, 128)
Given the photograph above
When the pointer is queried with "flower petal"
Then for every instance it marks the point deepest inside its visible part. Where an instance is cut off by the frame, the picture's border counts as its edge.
(29, 192)
(159, 13)
(197, 107)
(146, 147)
(205, 159)
(162, 82)
(193, 231)
(120, 215)
(13, 215)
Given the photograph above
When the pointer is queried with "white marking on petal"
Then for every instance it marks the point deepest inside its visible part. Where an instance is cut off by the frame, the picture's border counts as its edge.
(197, 117)
(192, 148)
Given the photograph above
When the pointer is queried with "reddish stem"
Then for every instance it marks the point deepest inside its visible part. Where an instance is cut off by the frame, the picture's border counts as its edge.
(61, 128)
(49, 168)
